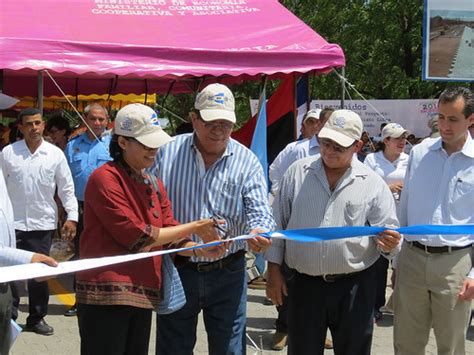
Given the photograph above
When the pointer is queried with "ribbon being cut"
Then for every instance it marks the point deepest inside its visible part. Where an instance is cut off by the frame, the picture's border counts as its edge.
(29, 271)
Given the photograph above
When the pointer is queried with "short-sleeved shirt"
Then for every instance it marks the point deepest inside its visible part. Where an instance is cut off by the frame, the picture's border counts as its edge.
(84, 156)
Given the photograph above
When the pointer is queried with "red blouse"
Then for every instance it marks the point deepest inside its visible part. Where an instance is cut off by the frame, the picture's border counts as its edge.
(120, 217)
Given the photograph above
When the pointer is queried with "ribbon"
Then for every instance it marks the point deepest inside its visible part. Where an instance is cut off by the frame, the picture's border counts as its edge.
(37, 270)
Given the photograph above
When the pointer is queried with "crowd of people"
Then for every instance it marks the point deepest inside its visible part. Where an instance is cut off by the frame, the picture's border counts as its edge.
(135, 189)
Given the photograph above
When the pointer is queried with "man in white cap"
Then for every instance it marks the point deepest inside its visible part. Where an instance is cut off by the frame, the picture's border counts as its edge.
(208, 174)
(333, 281)
(308, 145)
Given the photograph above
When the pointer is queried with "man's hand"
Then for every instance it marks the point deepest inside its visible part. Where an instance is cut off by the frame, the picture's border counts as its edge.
(467, 290)
(205, 230)
(396, 187)
(258, 244)
(276, 284)
(68, 231)
(41, 258)
(388, 240)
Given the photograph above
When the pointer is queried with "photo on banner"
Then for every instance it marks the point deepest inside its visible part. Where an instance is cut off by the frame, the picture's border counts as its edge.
(448, 40)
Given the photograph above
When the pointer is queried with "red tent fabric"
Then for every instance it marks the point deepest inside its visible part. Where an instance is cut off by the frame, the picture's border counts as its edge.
(109, 46)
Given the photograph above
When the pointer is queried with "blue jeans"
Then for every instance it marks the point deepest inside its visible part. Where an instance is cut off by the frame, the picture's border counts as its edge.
(222, 296)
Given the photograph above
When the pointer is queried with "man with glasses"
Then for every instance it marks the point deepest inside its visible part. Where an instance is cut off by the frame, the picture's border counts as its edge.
(208, 174)
(85, 153)
(333, 281)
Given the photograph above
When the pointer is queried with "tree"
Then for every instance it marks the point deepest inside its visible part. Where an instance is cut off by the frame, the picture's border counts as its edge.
(382, 42)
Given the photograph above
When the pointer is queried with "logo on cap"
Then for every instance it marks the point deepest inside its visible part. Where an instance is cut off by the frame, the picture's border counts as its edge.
(127, 124)
(340, 122)
(153, 120)
(218, 98)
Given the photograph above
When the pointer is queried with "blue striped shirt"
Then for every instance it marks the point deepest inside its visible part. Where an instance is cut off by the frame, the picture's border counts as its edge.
(233, 188)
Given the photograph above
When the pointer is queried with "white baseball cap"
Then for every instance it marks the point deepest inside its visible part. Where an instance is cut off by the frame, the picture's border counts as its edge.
(141, 122)
(343, 127)
(312, 114)
(216, 102)
(393, 130)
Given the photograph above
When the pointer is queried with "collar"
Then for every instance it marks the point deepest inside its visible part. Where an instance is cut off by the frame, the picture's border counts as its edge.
(467, 149)
(313, 142)
(229, 150)
(42, 149)
(356, 170)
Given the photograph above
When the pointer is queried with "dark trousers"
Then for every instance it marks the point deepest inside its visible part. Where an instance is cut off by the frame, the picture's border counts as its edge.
(381, 266)
(113, 330)
(5, 316)
(38, 292)
(222, 296)
(281, 322)
(345, 306)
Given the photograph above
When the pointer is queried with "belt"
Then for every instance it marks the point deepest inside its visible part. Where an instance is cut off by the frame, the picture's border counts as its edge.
(218, 264)
(330, 278)
(437, 250)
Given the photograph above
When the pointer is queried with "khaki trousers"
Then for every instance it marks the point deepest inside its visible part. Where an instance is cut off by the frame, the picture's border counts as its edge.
(426, 296)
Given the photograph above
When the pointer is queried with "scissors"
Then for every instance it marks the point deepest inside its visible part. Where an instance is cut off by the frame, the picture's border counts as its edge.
(224, 232)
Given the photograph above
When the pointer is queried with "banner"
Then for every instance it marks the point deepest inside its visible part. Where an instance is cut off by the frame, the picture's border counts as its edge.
(448, 40)
(411, 114)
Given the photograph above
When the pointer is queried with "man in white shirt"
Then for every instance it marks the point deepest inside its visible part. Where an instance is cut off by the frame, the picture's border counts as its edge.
(312, 123)
(435, 279)
(333, 282)
(33, 169)
(10, 256)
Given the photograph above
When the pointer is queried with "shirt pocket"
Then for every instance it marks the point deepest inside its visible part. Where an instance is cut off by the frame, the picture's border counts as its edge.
(355, 213)
(77, 163)
(46, 176)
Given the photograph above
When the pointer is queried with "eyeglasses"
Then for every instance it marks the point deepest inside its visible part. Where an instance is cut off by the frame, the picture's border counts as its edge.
(224, 126)
(326, 144)
(139, 143)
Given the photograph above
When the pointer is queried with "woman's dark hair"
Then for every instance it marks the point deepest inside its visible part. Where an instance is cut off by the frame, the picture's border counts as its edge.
(379, 146)
(58, 120)
(116, 152)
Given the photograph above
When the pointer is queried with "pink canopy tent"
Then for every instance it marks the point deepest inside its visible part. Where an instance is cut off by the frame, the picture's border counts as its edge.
(138, 46)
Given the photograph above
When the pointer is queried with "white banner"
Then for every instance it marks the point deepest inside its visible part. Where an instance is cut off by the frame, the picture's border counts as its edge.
(411, 114)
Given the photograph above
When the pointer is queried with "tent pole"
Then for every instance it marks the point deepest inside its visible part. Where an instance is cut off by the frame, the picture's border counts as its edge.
(40, 95)
(343, 86)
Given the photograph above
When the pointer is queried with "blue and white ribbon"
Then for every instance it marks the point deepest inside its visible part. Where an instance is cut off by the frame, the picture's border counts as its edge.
(38, 270)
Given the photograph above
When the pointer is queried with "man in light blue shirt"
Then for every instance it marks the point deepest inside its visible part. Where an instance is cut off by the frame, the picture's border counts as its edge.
(10, 256)
(435, 279)
(208, 174)
(85, 153)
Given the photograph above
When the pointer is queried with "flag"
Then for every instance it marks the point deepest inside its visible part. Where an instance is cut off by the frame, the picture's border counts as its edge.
(259, 139)
(302, 100)
(280, 110)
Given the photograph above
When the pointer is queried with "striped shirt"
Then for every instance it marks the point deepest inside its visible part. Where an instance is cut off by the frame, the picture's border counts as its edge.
(232, 189)
(305, 200)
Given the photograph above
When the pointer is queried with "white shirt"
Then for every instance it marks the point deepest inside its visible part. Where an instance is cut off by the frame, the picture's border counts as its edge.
(8, 254)
(305, 200)
(306, 148)
(439, 189)
(31, 182)
(292, 152)
(392, 172)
